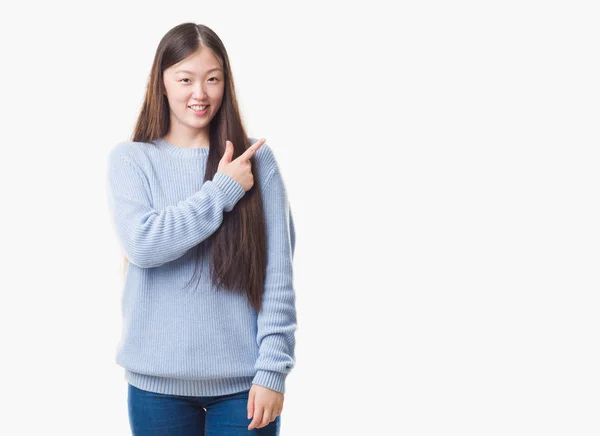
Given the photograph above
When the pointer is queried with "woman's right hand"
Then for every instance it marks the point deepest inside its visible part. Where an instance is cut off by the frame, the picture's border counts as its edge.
(240, 168)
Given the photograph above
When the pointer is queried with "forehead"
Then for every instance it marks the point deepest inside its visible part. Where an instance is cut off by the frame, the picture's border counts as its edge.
(201, 62)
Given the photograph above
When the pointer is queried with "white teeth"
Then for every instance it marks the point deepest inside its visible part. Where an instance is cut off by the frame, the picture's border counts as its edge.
(198, 108)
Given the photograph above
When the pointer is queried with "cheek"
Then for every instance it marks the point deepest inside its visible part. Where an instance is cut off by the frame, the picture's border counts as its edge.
(172, 98)
(217, 95)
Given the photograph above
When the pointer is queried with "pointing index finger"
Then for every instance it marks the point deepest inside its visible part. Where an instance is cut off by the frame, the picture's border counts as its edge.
(252, 149)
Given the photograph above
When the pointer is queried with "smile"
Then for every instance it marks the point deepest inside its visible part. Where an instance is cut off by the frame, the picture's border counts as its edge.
(197, 111)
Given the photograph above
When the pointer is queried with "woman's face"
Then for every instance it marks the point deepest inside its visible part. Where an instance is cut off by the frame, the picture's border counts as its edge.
(197, 80)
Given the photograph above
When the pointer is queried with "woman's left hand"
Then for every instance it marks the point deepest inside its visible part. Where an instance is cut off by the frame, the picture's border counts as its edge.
(264, 405)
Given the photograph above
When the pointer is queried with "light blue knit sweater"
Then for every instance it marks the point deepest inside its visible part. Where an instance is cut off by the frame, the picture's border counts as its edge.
(196, 341)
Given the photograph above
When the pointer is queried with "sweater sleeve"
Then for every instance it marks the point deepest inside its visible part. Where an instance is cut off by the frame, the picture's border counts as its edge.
(277, 317)
(151, 237)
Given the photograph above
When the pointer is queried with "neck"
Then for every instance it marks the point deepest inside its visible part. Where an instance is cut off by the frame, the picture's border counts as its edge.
(194, 140)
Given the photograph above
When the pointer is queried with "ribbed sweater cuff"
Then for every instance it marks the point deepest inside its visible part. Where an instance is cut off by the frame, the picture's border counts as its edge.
(270, 379)
(232, 190)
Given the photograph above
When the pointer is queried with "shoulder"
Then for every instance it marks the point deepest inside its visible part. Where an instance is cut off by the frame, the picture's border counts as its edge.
(265, 152)
(134, 153)
(265, 159)
(130, 150)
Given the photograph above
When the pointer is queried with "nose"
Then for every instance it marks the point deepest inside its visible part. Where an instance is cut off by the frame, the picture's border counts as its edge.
(199, 90)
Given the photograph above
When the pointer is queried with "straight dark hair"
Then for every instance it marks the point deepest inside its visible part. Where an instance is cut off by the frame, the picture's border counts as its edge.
(238, 247)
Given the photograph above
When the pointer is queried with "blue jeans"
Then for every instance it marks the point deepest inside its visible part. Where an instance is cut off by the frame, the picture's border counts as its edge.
(154, 414)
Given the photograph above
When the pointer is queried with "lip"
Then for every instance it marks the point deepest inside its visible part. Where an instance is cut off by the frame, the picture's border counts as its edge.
(200, 113)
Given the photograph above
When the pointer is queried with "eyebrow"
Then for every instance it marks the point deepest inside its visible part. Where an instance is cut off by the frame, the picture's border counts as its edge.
(190, 72)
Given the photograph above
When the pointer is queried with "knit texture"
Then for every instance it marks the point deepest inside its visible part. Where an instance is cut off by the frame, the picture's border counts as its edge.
(196, 341)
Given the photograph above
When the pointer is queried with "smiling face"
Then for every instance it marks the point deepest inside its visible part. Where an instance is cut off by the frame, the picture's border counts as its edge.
(198, 80)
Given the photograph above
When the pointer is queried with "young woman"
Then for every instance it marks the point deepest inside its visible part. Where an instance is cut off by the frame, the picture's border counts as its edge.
(190, 191)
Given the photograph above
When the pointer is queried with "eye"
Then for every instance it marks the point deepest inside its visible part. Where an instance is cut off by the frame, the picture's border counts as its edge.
(183, 80)
(214, 78)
